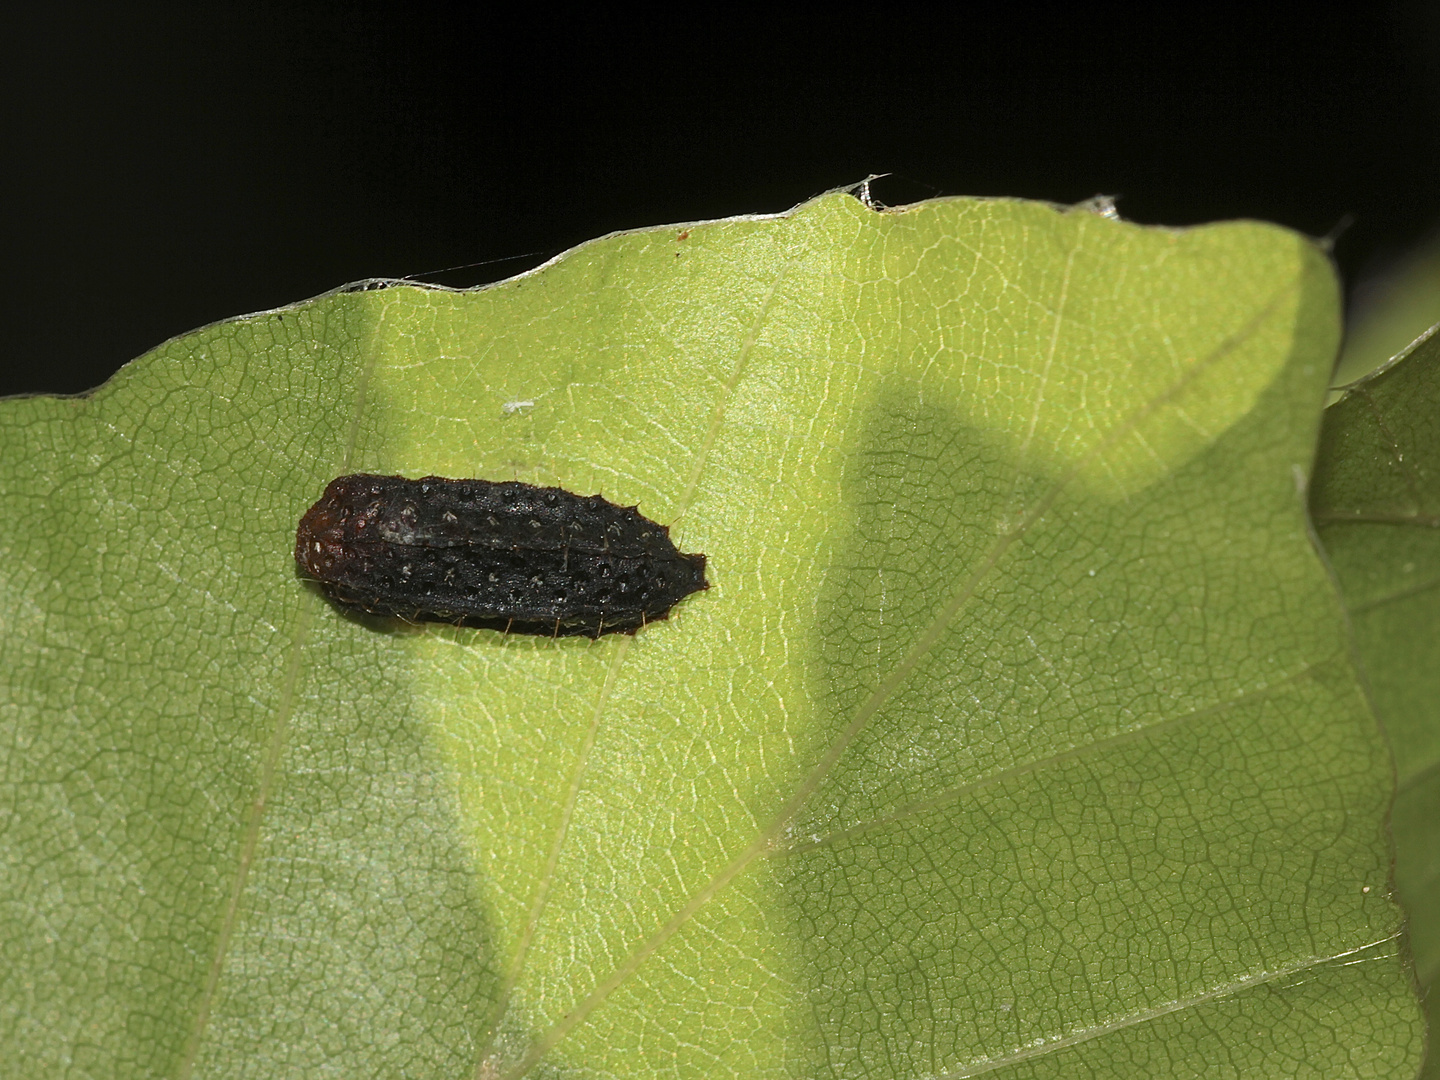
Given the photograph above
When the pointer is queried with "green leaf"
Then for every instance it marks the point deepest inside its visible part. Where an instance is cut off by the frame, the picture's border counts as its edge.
(1018, 732)
(1377, 506)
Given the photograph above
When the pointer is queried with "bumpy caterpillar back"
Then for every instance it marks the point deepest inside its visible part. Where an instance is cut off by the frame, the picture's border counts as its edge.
(484, 553)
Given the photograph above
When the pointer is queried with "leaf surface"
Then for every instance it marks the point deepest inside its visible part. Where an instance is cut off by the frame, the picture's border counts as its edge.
(1377, 507)
(1017, 735)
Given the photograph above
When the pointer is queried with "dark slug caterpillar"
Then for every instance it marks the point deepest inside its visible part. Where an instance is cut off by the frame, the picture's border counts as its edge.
(506, 555)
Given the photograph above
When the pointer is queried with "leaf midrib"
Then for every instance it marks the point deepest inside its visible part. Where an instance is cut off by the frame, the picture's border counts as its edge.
(1072, 753)
(1145, 1016)
(484, 1060)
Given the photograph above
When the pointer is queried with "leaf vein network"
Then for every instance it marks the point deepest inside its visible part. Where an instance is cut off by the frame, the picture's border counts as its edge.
(766, 840)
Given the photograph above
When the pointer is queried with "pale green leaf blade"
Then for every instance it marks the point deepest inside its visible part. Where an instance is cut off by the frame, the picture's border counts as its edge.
(1018, 732)
(1377, 507)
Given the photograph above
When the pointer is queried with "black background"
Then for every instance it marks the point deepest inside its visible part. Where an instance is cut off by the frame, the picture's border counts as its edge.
(166, 167)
